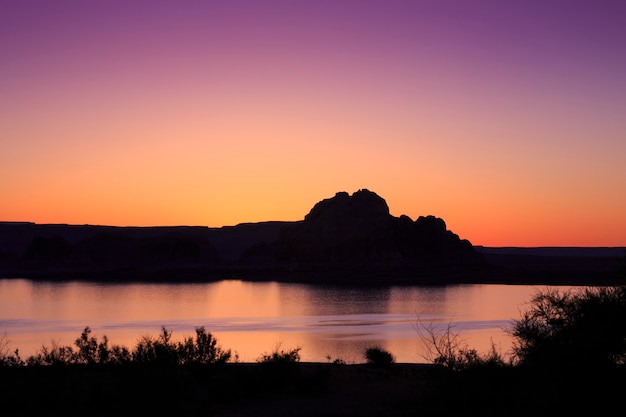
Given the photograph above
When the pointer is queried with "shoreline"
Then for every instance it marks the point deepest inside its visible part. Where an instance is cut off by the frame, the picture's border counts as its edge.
(575, 272)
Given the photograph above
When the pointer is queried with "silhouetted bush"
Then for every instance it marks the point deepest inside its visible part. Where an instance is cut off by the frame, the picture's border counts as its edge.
(203, 350)
(6, 358)
(446, 348)
(586, 327)
(159, 350)
(54, 355)
(279, 357)
(571, 328)
(279, 370)
(378, 356)
(149, 350)
(91, 352)
(336, 361)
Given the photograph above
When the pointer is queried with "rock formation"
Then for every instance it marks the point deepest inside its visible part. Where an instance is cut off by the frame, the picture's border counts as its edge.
(358, 229)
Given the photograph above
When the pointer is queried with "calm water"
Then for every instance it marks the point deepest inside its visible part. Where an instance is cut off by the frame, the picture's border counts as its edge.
(256, 318)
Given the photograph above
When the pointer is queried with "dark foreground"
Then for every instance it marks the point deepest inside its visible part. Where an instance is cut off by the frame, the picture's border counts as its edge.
(306, 389)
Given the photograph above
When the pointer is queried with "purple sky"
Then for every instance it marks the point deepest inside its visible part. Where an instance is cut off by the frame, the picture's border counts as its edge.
(505, 118)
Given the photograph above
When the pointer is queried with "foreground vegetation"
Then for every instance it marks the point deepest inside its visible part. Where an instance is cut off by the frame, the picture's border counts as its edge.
(568, 355)
(87, 350)
(581, 329)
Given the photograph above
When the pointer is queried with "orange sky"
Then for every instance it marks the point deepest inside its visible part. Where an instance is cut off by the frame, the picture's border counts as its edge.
(507, 121)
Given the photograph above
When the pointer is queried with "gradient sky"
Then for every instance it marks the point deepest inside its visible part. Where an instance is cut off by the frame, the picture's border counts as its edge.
(505, 118)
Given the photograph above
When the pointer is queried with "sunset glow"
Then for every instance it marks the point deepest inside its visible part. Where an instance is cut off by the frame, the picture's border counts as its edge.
(505, 119)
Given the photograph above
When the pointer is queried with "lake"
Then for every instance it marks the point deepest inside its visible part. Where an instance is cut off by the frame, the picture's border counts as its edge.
(252, 318)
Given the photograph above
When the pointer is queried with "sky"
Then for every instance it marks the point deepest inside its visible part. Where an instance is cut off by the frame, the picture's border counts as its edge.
(504, 118)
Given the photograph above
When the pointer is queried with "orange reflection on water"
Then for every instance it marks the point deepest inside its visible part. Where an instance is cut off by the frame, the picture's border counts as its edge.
(251, 319)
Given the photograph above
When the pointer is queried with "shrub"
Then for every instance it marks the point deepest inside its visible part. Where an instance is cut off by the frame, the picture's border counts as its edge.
(202, 350)
(88, 352)
(378, 356)
(279, 369)
(156, 351)
(337, 361)
(281, 357)
(91, 352)
(447, 349)
(6, 358)
(149, 350)
(586, 327)
(55, 355)
(117, 355)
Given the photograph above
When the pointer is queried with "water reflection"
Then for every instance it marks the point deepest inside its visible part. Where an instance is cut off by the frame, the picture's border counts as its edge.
(339, 301)
(256, 318)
